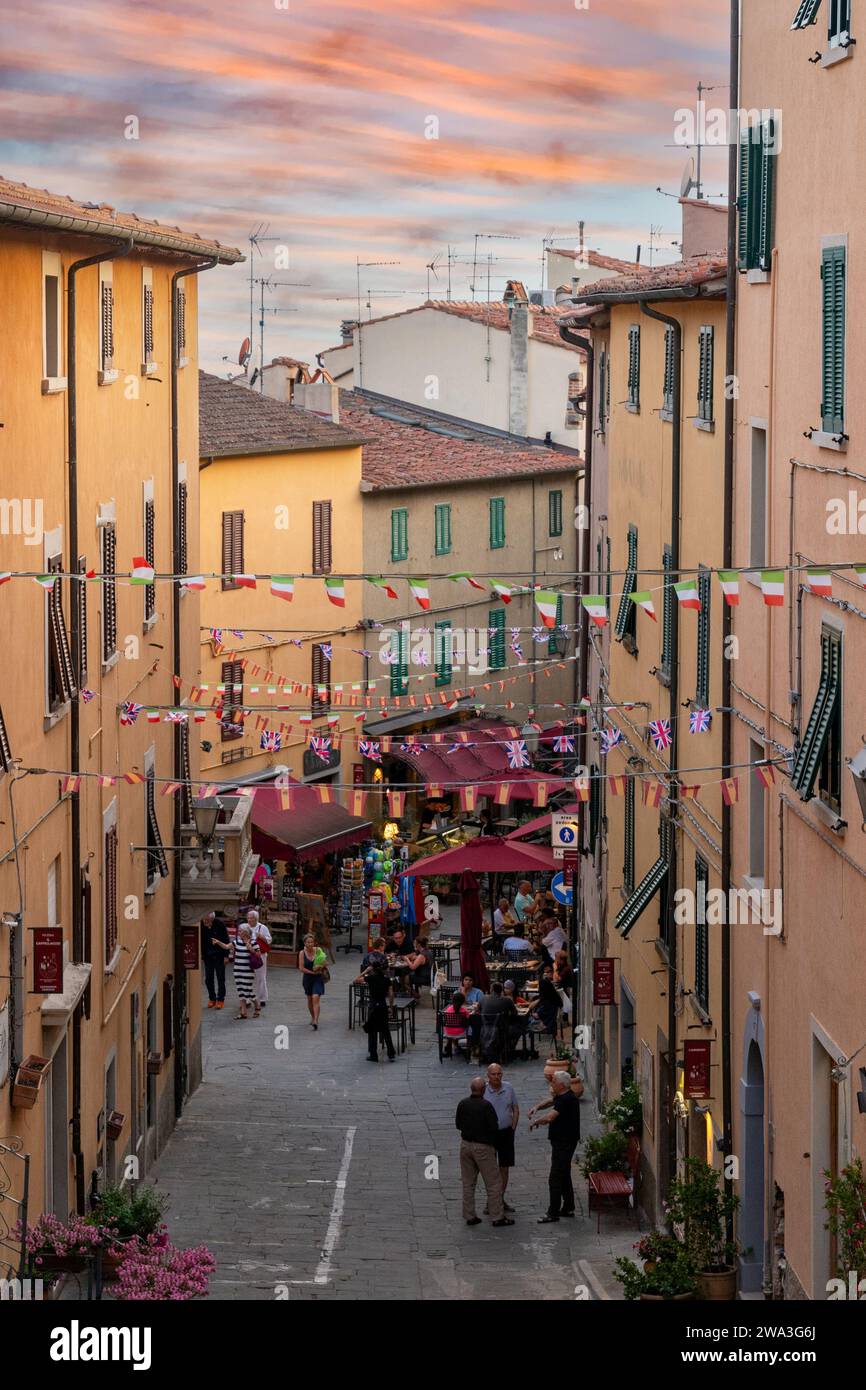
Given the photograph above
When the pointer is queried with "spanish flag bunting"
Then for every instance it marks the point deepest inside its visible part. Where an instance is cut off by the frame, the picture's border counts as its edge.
(170, 788)
(71, 783)
(285, 795)
(653, 792)
(730, 582)
(581, 788)
(730, 790)
(326, 795)
(773, 587)
(689, 793)
(336, 591)
(766, 774)
(540, 794)
(133, 778)
(396, 803)
(433, 789)
(105, 781)
(503, 794)
(617, 784)
(358, 798)
(468, 798)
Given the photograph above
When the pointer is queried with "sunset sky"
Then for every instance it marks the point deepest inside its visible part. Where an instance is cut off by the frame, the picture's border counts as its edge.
(312, 119)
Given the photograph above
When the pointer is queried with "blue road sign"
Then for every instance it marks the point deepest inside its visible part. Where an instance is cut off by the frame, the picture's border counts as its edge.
(559, 890)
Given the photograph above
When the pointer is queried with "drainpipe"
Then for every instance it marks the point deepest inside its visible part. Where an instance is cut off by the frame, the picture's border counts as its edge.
(676, 458)
(179, 991)
(727, 611)
(122, 248)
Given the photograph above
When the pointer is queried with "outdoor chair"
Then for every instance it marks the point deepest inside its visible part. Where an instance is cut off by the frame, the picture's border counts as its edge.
(453, 1042)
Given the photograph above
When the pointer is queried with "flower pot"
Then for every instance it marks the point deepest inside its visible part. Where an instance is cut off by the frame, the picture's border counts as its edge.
(552, 1066)
(60, 1264)
(716, 1286)
(25, 1089)
(154, 1063)
(114, 1124)
(577, 1087)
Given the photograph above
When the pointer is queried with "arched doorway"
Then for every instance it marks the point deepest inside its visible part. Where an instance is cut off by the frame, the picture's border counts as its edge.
(752, 1221)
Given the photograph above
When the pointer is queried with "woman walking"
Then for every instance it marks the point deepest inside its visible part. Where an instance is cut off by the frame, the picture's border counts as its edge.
(311, 963)
(261, 942)
(244, 973)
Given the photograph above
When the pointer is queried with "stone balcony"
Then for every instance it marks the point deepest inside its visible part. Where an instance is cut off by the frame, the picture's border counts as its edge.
(221, 874)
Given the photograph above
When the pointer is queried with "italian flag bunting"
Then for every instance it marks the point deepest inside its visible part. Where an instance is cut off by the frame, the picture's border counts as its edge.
(382, 584)
(470, 580)
(501, 590)
(730, 582)
(773, 587)
(859, 570)
(244, 581)
(5, 576)
(596, 608)
(420, 592)
(819, 582)
(336, 591)
(687, 593)
(193, 583)
(45, 581)
(142, 572)
(283, 586)
(644, 602)
(546, 602)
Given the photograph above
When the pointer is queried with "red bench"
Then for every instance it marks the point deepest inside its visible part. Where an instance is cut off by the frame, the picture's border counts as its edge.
(614, 1189)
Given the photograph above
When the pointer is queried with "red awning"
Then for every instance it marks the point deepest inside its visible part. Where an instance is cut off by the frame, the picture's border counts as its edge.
(488, 854)
(534, 827)
(307, 830)
(473, 754)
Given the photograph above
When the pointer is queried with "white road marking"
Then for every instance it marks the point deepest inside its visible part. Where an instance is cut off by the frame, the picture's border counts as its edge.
(591, 1278)
(323, 1269)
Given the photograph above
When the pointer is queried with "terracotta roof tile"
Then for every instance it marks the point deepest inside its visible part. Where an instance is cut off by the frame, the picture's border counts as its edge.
(698, 270)
(238, 420)
(498, 315)
(601, 262)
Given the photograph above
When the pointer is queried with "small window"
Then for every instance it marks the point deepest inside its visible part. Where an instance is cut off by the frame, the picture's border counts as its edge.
(839, 23)
(157, 864)
(399, 534)
(757, 808)
(496, 639)
(109, 852)
(833, 339)
(320, 677)
(634, 367)
(443, 652)
(322, 557)
(602, 387)
(668, 614)
(557, 641)
(147, 349)
(106, 319)
(628, 838)
(232, 680)
(496, 508)
(185, 793)
(820, 749)
(756, 200)
(702, 943)
(52, 321)
(80, 598)
(706, 356)
(668, 384)
(830, 771)
(180, 348)
(149, 550)
(5, 747)
(625, 627)
(61, 674)
(400, 667)
(109, 592)
(442, 528)
(182, 529)
(758, 499)
(554, 513)
(232, 547)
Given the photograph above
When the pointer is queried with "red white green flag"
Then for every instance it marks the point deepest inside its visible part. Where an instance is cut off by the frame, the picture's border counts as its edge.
(336, 591)
(141, 572)
(470, 580)
(382, 584)
(730, 582)
(687, 593)
(596, 607)
(244, 581)
(194, 582)
(546, 602)
(420, 592)
(819, 582)
(644, 601)
(501, 590)
(283, 586)
(773, 587)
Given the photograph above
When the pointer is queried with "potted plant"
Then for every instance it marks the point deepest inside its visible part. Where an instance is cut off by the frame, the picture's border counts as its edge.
(605, 1153)
(626, 1112)
(701, 1208)
(655, 1247)
(562, 1059)
(845, 1202)
(114, 1124)
(61, 1247)
(153, 1269)
(671, 1278)
(123, 1214)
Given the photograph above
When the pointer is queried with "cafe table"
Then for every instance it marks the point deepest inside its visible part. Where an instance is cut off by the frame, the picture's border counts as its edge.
(443, 950)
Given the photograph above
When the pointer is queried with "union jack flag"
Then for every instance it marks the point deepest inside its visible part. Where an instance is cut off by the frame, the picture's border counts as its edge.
(216, 633)
(130, 711)
(518, 754)
(700, 721)
(325, 648)
(515, 643)
(176, 716)
(86, 695)
(271, 741)
(321, 746)
(539, 634)
(660, 732)
(610, 738)
(235, 633)
(369, 748)
(563, 743)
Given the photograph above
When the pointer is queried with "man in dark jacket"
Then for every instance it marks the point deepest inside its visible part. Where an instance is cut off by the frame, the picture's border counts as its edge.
(215, 946)
(479, 1133)
(381, 994)
(564, 1135)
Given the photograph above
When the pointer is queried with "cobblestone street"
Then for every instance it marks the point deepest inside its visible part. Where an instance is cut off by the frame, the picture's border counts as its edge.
(305, 1168)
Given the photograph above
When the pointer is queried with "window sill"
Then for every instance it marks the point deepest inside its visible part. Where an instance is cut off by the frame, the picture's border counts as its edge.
(632, 409)
(826, 439)
(182, 362)
(149, 368)
(105, 378)
(700, 1012)
(836, 54)
(150, 622)
(832, 819)
(110, 663)
(708, 426)
(630, 644)
(54, 717)
(52, 385)
(667, 415)
(757, 277)
(662, 676)
(110, 967)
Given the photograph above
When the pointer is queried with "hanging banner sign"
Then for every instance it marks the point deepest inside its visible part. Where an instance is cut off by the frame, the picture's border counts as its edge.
(190, 938)
(47, 960)
(696, 1071)
(603, 980)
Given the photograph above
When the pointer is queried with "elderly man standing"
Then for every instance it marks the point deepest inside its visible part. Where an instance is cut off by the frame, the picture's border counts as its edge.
(479, 1127)
(261, 942)
(564, 1134)
(502, 1097)
(215, 949)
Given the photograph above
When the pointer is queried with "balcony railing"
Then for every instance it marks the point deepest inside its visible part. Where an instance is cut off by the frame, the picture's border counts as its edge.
(223, 869)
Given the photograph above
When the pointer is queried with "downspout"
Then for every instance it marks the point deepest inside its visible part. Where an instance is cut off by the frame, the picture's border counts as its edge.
(673, 789)
(122, 248)
(727, 611)
(179, 991)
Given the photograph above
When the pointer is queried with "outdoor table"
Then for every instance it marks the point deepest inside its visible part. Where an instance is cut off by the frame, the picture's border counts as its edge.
(404, 1009)
(444, 949)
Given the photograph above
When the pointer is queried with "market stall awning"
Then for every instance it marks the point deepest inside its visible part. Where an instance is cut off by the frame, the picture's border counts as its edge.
(474, 754)
(540, 823)
(307, 830)
(488, 854)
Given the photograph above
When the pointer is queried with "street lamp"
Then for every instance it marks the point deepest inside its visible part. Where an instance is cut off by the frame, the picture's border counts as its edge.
(205, 813)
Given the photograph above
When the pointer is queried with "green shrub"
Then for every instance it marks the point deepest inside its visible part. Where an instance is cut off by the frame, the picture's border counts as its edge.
(605, 1153)
(626, 1112)
(130, 1211)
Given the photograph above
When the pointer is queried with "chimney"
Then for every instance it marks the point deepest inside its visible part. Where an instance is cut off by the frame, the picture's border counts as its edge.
(347, 330)
(518, 399)
(705, 228)
(320, 398)
(580, 226)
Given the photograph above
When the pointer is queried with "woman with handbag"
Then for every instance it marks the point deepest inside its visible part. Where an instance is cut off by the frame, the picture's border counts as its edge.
(313, 965)
(261, 942)
(246, 961)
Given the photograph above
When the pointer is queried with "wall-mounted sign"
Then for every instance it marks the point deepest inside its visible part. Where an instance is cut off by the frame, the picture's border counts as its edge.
(603, 980)
(189, 937)
(47, 960)
(696, 1071)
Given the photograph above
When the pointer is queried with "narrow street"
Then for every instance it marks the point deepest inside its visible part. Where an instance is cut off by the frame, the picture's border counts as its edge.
(304, 1169)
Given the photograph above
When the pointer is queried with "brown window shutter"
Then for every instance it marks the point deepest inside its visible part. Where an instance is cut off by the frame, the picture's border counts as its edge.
(232, 547)
(237, 543)
(180, 322)
(81, 601)
(322, 558)
(167, 1016)
(320, 676)
(61, 680)
(233, 680)
(86, 932)
(182, 513)
(186, 774)
(327, 558)
(110, 893)
(109, 593)
(148, 324)
(5, 747)
(156, 860)
(149, 555)
(107, 307)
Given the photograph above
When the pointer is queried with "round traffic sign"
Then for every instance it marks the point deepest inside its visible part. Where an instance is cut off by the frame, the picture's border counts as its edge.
(559, 890)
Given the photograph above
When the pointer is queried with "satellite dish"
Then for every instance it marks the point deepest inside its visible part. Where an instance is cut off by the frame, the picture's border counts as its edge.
(245, 353)
(687, 183)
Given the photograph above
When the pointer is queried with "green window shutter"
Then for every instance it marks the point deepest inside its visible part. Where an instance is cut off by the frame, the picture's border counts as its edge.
(668, 401)
(399, 534)
(594, 807)
(642, 896)
(442, 528)
(400, 668)
(442, 653)
(811, 751)
(702, 943)
(626, 611)
(765, 221)
(556, 640)
(602, 389)
(607, 580)
(496, 639)
(668, 606)
(634, 366)
(554, 510)
(833, 339)
(702, 687)
(807, 13)
(743, 200)
(706, 366)
(496, 509)
(628, 837)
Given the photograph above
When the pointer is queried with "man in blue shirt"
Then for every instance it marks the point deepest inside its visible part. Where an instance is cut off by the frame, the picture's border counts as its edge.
(502, 1097)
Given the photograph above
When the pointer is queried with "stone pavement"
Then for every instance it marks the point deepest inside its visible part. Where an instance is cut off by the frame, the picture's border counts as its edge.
(312, 1174)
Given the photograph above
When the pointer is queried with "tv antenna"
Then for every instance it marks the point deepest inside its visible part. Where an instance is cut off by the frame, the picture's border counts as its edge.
(431, 268)
(257, 236)
(266, 283)
(486, 236)
(359, 265)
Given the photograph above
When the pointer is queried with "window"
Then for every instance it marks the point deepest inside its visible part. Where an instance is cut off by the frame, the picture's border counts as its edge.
(109, 882)
(185, 792)
(668, 385)
(496, 509)
(320, 679)
(833, 339)
(554, 513)
(443, 652)
(807, 13)
(755, 200)
(147, 362)
(594, 817)
(80, 599)
(820, 748)
(61, 674)
(634, 367)
(625, 627)
(52, 322)
(628, 838)
(182, 529)
(757, 806)
(157, 865)
(706, 356)
(758, 499)
(399, 534)
(602, 390)
(106, 321)
(150, 1036)
(839, 23)
(5, 747)
(180, 351)
(702, 943)
(232, 679)
(322, 558)
(496, 639)
(557, 639)
(109, 593)
(668, 613)
(442, 528)
(702, 677)
(232, 547)
(830, 771)
(665, 849)
(149, 550)
(400, 667)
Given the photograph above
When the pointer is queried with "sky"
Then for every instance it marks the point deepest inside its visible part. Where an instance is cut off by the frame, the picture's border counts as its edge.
(371, 130)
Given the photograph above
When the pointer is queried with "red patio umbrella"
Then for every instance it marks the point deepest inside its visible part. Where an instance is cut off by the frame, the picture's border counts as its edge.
(488, 854)
(471, 951)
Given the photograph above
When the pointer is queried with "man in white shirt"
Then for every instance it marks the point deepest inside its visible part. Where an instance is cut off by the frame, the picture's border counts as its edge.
(555, 938)
(501, 1096)
(261, 942)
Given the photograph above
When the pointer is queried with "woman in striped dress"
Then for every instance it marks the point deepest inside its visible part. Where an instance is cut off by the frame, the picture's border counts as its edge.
(244, 982)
